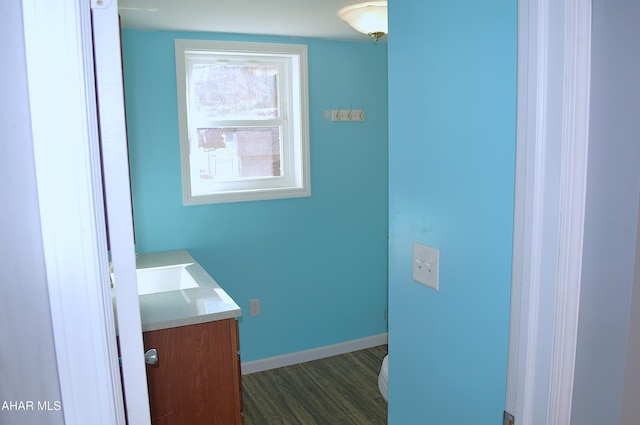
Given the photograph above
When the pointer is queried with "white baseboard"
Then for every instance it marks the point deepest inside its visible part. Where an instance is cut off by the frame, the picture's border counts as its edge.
(314, 354)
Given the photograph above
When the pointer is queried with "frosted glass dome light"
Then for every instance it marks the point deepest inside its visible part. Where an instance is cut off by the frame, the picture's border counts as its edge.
(368, 18)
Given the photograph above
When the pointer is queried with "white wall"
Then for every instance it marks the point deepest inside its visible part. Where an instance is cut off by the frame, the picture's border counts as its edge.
(28, 370)
(611, 219)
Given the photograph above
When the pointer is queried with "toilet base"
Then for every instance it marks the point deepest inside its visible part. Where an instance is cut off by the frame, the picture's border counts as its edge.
(383, 378)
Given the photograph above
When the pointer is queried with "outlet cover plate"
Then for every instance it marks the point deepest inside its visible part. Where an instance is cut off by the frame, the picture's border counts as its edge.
(426, 265)
(254, 307)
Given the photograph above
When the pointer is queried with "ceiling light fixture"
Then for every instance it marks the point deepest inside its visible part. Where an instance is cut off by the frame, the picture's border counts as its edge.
(368, 18)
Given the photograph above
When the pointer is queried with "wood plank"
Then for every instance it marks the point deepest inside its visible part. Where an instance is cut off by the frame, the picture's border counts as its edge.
(337, 390)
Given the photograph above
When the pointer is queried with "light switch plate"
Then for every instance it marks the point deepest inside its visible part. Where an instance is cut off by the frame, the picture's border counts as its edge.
(426, 265)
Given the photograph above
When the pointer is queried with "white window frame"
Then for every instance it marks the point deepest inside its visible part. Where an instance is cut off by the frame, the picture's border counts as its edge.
(294, 121)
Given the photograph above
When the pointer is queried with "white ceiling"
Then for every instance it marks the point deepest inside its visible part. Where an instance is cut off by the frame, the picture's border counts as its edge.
(303, 18)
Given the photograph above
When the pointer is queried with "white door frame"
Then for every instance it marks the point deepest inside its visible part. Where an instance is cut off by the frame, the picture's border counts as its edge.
(64, 122)
(554, 49)
(117, 189)
(67, 160)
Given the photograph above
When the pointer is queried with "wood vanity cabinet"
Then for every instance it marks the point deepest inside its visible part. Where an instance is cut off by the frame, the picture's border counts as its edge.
(197, 377)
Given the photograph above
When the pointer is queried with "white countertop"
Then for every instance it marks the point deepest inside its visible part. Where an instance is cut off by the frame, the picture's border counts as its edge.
(206, 303)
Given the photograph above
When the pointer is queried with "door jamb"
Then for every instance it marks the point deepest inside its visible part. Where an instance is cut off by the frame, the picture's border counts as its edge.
(549, 207)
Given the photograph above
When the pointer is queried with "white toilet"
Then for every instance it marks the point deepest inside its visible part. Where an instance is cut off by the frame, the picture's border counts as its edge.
(383, 378)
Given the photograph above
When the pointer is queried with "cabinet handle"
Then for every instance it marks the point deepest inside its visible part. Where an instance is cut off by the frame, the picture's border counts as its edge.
(151, 356)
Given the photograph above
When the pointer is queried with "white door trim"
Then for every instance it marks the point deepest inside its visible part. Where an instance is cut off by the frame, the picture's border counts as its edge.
(552, 140)
(573, 185)
(65, 138)
(117, 188)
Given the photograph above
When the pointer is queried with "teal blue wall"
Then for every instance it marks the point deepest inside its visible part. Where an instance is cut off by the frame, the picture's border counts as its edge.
(317, 264)
(452, 98)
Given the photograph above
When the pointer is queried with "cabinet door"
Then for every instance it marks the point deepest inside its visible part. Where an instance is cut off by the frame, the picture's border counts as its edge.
(197, 377)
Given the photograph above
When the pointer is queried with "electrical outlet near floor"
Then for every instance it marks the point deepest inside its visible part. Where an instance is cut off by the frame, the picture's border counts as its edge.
(254, 307)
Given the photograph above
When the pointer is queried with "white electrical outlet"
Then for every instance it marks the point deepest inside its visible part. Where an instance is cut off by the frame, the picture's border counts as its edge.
(254, 307)
(426, 265)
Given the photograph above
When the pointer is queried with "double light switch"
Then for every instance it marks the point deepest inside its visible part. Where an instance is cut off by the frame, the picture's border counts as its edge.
(426, 265)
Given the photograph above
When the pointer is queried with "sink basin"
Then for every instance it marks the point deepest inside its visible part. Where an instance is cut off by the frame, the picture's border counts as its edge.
(164, 279)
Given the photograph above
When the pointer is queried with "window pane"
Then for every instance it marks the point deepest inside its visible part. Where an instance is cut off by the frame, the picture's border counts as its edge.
(235, 91)
(244, 121)
(227, 153)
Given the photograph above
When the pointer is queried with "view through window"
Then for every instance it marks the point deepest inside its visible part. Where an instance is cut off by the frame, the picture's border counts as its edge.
(243, 120)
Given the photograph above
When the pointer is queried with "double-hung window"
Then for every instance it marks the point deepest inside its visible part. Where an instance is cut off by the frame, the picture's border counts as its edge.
(243, 114)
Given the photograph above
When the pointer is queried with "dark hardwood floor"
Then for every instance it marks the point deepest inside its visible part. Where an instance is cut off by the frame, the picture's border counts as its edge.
(339, 390)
